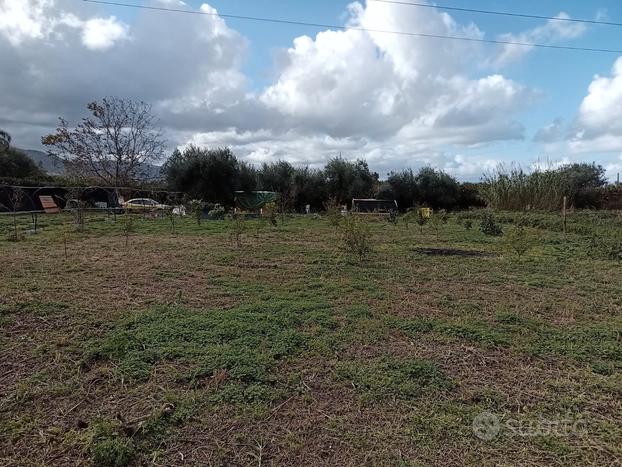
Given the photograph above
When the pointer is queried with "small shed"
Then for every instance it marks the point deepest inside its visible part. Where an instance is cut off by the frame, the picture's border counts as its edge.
(379, 206)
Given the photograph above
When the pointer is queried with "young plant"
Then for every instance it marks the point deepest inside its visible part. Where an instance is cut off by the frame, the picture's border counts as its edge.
(392, 217)
(421, 219)
(356, 237)
(217, 212)
(171, 217)
(519, 240)
(238, 226)
(128, 227)
(489, 225)
(333, 212)
(78, 207)
(271, 211)
(196, 209)
(438, 219)
(15, 199)
(409, 217)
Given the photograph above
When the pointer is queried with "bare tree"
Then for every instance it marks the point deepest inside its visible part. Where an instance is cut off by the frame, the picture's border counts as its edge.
(114, 144)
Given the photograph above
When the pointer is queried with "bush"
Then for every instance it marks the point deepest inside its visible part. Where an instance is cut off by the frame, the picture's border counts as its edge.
(238, 226)
(543, 189)
(421, 219)
(271, 211)
(356, 237)
(333, 212)
(468, 224)
(217, 212)
(519, 240)
(489, 225)
(409, 217)
(196, 209)
(113, 452)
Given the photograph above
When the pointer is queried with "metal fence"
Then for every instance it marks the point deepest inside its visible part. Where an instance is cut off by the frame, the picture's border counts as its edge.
(28, 200)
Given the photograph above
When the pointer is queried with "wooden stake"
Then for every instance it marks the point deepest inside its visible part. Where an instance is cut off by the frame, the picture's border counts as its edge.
(564, 215)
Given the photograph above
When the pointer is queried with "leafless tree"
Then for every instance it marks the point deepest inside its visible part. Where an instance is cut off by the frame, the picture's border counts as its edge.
(114, 144)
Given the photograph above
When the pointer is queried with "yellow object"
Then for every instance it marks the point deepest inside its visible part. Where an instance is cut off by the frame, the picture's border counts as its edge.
(425, 212)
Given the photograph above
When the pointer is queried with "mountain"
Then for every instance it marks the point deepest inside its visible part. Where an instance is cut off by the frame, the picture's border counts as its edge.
(50, 164)
(54, 166)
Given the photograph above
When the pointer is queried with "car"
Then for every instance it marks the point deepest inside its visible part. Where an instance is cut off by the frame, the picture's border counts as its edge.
(143, 205)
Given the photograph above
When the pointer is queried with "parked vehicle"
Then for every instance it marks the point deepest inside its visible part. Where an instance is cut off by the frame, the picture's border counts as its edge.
(144, 205)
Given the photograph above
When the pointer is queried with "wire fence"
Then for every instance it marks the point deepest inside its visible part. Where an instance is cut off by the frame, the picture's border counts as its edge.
(45, 199)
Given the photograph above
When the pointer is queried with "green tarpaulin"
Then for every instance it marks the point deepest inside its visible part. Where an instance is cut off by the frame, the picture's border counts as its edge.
(253, 200)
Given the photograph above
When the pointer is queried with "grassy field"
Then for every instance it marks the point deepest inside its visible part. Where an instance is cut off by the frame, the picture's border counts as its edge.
(133, 344)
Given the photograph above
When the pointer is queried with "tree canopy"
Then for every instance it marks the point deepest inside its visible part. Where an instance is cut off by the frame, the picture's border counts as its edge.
(208, 174)
(15, 163)
(114, 144)
(346, 180)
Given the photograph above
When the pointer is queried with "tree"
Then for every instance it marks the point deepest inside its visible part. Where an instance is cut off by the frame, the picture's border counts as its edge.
(208, 174)
(437, 189)
(16, 164)
(346, 180)
(5, 141)
(310, 188)
(114, 144)
(582, 181)
(404, 188)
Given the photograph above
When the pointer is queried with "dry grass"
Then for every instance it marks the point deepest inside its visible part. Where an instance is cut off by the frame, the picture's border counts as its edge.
(151, 353)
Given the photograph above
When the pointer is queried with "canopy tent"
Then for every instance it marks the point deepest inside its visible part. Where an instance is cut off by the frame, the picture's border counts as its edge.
(254, 200)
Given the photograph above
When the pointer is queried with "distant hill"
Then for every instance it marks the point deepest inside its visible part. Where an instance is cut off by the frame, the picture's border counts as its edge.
(50, 164)
(54, 166)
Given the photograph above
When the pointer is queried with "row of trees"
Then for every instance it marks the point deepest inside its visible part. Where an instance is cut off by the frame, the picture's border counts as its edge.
(215, 175)
(118, 143)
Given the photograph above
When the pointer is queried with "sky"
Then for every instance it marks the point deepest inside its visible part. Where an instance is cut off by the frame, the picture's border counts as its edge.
(306, 94)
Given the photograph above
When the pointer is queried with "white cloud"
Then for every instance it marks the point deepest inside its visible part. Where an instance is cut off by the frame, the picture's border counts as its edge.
(551, 32)
(601, 110)
(598, 124)
(22, 20)
(554, 131)
(377, 85)
(395, 100)
(101, 34)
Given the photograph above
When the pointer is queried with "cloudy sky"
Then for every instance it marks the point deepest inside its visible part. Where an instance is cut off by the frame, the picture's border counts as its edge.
(304, 94)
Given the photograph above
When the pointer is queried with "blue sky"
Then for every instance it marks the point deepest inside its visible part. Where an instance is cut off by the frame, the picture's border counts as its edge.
(249, 85)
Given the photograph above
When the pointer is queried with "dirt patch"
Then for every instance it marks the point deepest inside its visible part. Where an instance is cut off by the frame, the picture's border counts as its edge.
(451, 252)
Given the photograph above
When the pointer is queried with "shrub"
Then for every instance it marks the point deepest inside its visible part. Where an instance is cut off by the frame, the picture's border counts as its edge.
(489, 225)
(410, 216)
(519, 240)
(271, 210)
(238, 226)
(356, 237)
(217, 212)
(468, 224)
(196, 209)
(113, 452)
(392, 217)
(439, 218)
(421, 219)
(333, 212)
